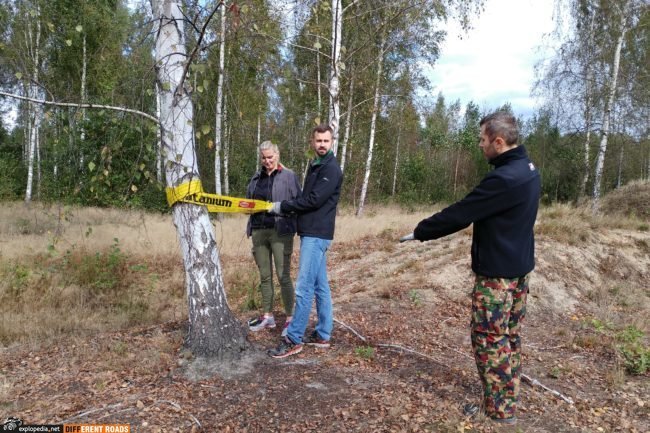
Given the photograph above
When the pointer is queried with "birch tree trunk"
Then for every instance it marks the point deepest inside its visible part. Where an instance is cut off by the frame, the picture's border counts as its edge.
(600, 161)
(213, 329)
(335, 72)
(589, 75)
(348, 123)
(259, 138)
(396, 167)
(35, 109)
(226, 152)
(619, 177)
(317, 45)
(84, 97)
(159, 159)
(218, 116)
(373, 124)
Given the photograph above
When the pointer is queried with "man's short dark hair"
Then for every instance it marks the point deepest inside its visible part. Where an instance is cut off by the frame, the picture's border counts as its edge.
(501, 124)
(322, 128)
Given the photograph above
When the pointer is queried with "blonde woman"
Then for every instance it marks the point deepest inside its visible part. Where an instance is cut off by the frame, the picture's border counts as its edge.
(272, 234)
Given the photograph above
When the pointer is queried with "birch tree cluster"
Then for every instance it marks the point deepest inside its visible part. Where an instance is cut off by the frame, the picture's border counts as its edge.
(596, 89)
(258, 70)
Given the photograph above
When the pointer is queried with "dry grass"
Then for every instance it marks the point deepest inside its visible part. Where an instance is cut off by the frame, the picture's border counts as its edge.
(86, 270)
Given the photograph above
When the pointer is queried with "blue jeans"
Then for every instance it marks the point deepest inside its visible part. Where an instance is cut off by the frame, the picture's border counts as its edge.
(312, 282)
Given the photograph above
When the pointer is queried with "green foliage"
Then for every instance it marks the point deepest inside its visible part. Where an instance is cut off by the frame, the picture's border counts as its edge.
(415, 298)
(365, 352)
(635, 354)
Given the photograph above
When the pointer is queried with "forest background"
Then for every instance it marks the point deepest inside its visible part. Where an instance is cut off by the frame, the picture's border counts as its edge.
(272, 70)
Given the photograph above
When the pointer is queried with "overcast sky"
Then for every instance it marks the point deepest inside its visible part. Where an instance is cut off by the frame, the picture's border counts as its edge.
(494, 63)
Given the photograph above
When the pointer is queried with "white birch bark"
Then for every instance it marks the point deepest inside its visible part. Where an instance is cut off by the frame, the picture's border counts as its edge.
(600, 160)
(84, 98)
(226, 152)
(259, 138)
(396, 167)
(348, 123)
(159, 158)
(213, 329)
(619, 177)
(218, 118)
(35, 110)
(318, 77)
(335, 72)
(373, 124)
(588, 101)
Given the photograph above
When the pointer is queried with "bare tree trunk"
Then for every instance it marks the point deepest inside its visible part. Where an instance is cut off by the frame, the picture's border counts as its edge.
(589, 75)
(348, 122)
(84, 98)
(213, 329)
(600, 161)
(373, 123)
(318, 77)
(159, 159)
(218, 117)
(259, 139)
(35, 110)
(226, 151)
(619, 177)
(396, 167)
(335, 72)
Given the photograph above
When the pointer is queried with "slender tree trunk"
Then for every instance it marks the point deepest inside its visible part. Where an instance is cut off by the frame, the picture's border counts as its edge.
(35, 110)
(373, 123)
(213, 329)
(396, 167)
(335, 72)
(159, 157)
(456, 164)
(600, 161)
(218, 118)
(84, 98)
(226, 152)
(619, 177)
(318, 76)
(589, 76)
(348, 123)
(259, 139)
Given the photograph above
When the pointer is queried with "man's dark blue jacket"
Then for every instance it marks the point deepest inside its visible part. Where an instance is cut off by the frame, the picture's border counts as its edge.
(316, 207)
(503, 208)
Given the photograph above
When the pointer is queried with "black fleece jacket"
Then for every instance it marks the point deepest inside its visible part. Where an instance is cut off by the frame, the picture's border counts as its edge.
(503, 208)
(316, 207)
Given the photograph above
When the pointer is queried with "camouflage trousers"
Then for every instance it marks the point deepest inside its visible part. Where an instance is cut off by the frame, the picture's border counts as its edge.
(498, 308)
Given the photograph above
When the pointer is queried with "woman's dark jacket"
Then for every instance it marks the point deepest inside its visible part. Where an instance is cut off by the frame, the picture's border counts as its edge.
(285, 187)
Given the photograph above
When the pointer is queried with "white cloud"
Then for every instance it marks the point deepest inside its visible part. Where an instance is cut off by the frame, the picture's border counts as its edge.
(494, 63)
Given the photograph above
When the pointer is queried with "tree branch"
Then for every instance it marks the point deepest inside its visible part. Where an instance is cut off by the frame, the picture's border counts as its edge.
(526, 378)
(196, 47)
(70, 104)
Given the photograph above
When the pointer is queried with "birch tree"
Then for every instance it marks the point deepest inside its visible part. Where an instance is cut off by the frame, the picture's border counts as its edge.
(600, 160)
(213, 329)
(33, 44)
(219, 116)
(335, 72)
(373, 124)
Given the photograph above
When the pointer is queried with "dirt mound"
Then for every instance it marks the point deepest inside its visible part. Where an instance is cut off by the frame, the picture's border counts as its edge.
(632, 199)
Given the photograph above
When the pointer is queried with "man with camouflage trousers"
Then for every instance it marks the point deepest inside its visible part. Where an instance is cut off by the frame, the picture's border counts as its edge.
(503, 209)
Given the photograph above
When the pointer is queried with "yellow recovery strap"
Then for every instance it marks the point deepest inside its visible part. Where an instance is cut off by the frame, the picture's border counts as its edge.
(192, 192)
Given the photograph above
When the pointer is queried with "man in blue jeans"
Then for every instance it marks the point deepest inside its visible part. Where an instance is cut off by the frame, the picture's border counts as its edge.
(316, 210)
